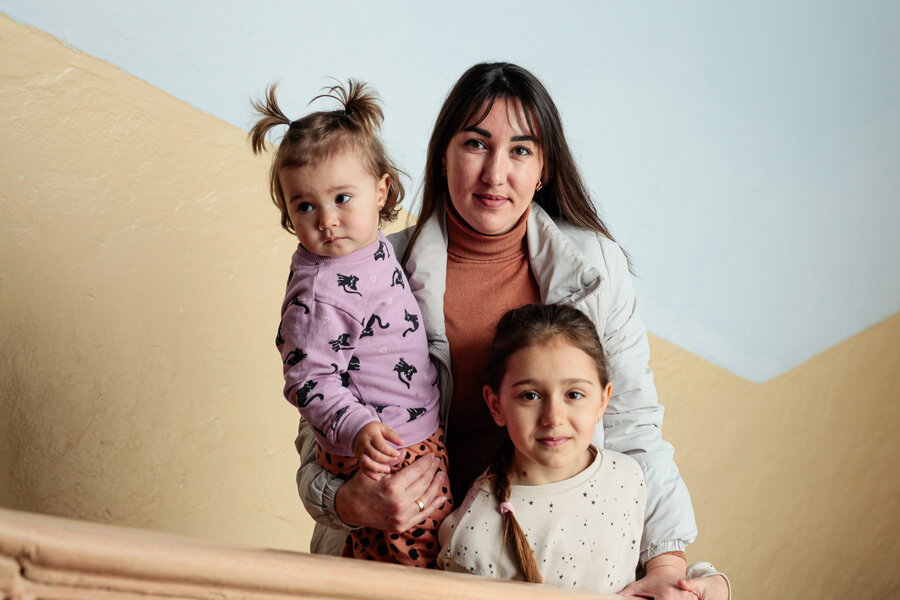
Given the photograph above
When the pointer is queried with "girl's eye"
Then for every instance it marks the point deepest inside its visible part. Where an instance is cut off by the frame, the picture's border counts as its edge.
(304, 207)
(574, 395)
(342, 198)
(530, 396)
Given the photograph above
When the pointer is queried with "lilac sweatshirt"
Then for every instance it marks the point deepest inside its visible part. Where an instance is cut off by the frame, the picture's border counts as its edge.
(354, 348)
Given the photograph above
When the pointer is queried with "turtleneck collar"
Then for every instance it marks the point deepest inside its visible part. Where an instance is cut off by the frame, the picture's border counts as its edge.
(464, 243)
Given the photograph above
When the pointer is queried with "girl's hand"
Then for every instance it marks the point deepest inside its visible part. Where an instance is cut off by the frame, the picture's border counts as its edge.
(374, 452)
(391, 503)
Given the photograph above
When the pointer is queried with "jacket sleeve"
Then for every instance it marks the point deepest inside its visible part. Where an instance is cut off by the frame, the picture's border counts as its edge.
(317, 344)
(316, 486)
(632, 423)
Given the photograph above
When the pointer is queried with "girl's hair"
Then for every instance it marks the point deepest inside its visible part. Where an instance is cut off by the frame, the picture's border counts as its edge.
(563, 195)
(531, 325)
(320, 135)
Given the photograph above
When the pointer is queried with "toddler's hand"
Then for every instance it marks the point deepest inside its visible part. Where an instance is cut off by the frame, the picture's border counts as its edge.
(374, 452)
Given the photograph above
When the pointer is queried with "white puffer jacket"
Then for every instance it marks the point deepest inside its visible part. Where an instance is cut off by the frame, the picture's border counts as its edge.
(573, 265)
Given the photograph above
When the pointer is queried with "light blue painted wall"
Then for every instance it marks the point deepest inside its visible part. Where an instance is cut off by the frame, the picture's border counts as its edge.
(746, 154)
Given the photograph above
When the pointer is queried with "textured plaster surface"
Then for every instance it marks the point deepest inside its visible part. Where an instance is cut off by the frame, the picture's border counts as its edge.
(142, 275)
(795, 482)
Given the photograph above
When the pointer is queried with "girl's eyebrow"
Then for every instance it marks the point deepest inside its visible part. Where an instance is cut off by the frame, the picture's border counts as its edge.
(515, 138)
(572, 381)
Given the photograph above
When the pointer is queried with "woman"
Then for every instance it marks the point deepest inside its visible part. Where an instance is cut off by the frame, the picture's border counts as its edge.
(506, 221)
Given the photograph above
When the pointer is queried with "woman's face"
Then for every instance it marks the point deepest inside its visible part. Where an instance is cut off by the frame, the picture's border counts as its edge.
(493, 168)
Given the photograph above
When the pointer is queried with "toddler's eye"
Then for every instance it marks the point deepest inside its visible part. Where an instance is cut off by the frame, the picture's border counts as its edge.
(304, 207)
(342, 198)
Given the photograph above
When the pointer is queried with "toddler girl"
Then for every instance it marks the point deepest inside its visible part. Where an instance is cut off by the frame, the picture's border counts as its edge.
(551, 508)
(354, 350)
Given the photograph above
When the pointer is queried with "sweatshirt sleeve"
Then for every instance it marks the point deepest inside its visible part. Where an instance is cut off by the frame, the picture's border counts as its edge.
(633, 421)
(317, 344)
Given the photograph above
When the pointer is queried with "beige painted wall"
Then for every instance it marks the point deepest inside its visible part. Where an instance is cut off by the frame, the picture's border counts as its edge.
(142, 275)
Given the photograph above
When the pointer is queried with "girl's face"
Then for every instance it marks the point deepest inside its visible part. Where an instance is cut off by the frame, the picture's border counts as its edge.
(334, 205)
(493, 168)
(550, 400)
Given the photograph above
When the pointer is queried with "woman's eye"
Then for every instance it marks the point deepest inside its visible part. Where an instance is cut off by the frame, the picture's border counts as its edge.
(304, 207)
(475, 144)
(522, 151)
(342, 198)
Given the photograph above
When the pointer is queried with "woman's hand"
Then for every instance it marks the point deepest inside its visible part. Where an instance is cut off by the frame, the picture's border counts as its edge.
(661, 581)
(392, 503)
(713, 587)
(665, 581)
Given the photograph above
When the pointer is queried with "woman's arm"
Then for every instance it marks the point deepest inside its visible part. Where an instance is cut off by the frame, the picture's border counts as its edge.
(317, 487)
(633, 422)
(388, 504)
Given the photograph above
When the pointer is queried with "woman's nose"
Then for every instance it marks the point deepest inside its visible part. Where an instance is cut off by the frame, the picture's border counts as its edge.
(496, 168)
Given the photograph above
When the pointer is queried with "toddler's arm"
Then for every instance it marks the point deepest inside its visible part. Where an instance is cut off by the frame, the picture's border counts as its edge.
(317, 342)
(375, 453)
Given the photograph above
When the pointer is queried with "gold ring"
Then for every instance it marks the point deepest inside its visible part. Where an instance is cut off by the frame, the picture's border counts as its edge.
(420, 504)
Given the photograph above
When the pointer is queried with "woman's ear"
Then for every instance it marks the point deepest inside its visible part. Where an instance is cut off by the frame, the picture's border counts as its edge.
(493, 403)
(381, 191)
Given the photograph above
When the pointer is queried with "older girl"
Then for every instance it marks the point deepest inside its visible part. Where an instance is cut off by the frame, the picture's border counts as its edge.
(547, 384)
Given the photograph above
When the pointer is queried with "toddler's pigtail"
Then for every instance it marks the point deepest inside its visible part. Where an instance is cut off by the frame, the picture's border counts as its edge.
(499, 474)
(270, 116)
(361, 106)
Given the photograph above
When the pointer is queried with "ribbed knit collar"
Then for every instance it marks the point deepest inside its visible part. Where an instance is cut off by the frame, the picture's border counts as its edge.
(466, 244)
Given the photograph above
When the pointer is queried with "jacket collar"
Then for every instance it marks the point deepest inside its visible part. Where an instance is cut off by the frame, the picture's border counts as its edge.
(556, 255)
(562, 271)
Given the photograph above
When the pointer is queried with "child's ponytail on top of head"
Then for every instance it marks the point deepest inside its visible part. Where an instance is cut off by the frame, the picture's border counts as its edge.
(321, 135)
(361, 109)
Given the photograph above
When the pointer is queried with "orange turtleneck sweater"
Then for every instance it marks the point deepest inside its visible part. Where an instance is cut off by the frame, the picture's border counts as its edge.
(487, 275)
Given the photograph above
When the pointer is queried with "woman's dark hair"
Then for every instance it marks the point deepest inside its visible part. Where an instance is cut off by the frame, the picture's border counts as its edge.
(321, 135)
(519, 328)
(563, 195)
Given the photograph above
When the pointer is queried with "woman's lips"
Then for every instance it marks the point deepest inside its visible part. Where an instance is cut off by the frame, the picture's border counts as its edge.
(492, 200)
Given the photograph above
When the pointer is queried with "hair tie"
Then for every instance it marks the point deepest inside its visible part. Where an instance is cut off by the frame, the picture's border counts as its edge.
(507, 507)
(347, 113)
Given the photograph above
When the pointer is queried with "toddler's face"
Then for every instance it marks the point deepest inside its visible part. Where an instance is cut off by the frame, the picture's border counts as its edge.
(334, 205)
(550, 400)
